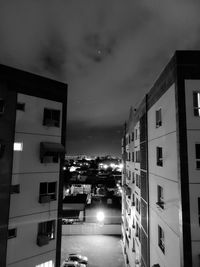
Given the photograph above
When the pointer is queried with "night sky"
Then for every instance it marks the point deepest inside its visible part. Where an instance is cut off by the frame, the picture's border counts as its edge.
(108, 51)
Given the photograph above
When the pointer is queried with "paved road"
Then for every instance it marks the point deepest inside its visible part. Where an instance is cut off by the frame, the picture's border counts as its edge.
(102, 250)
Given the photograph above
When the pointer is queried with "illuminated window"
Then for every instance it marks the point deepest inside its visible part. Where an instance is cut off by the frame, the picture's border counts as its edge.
(46, 264)
(196, 103)
(158, 118)
(18, 146)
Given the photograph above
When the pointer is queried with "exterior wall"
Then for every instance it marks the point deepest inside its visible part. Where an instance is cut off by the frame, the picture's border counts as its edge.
(166, 176)
(91, 229)
(193, 136)
(25, 210)
(7, 123)
(35, 261)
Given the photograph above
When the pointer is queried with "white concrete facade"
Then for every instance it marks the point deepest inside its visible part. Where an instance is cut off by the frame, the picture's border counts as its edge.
(25, 210)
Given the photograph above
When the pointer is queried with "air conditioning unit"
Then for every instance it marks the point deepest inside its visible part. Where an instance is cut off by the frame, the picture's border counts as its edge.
(44, 199)
(137, 261)
(42, 240)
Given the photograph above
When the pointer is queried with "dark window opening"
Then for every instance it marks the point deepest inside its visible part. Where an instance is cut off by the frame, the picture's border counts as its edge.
(161, 239)
(197, 148)
(15, 189)
(51, 117)
(160, 198)
(21, 106)
(196, 103)
(12, 233)
(47, 192)
(47, 229)
(2, 105)
(159, 155)
(158, 118)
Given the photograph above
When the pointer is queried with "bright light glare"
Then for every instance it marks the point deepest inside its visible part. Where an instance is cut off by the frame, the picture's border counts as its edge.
(72, 169)
(18, 146)
(105, 166)
(100, 216)
(112, 165)
(64, 168)
(121, 166)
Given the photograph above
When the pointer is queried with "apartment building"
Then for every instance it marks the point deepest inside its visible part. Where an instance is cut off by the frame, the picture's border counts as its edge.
(161, 155)
(32, 147)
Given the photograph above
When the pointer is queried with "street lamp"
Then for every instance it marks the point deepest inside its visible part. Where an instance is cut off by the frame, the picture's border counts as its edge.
(100, 216)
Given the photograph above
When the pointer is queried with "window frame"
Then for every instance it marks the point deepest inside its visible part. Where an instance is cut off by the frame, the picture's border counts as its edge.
(160, 196)
(161, 239)
(197, 159)
(51, 120)
(159, 156)
(158, 118)
(196, 108)
(12, 235)
(53, 196)
(43, 229)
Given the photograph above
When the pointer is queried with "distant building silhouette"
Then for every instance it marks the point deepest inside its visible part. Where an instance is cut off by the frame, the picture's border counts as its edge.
(161, 155)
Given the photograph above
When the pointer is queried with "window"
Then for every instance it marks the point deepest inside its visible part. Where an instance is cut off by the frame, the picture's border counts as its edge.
(137, 231)
(46, 264)
(196, 103)
(2, 106)
(136, 134)
(18, 146)
(138, 180)
(137, 156)
(197, 148)
(21, 106)
(133, 200)
(161, 239)
(50, 152)
(133, 178)
(47, 229)
(47, 192)
(138, 205)
(51, 117)
(2, 149)
(133, 248)
(199, 209)
(12, 233)
(15, 189)
(132, 136)
(132, 156)
(160, 199)
(158, 118)
(159, 155)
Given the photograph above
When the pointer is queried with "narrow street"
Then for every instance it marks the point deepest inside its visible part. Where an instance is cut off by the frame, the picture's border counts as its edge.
(101, 250)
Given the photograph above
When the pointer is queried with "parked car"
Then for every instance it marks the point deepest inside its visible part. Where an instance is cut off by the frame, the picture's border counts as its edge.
(68, 221)
(67, 263)
(79, 258)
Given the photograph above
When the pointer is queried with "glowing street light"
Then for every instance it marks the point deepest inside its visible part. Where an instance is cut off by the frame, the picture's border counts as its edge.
(100, 216)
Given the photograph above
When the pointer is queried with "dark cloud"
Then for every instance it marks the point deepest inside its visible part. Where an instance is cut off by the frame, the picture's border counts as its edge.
(109, 52)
